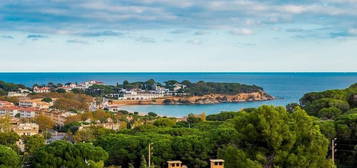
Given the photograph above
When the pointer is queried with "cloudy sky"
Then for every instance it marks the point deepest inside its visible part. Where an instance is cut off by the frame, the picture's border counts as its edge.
(178, 35)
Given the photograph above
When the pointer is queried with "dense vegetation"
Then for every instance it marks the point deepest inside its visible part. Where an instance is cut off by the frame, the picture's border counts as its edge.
(7, 87)
(196, 89)
(264, 137)
(65, 154)
(337, 110)
(202, 88)
(66, 101)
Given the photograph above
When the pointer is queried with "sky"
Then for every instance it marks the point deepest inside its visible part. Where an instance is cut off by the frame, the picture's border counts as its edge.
(178, 35)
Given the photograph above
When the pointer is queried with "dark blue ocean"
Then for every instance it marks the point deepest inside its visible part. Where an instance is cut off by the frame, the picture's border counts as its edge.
(286, 87)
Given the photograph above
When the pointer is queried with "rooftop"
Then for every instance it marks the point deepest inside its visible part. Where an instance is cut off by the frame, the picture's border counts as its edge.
(174, 161)
(216, 160)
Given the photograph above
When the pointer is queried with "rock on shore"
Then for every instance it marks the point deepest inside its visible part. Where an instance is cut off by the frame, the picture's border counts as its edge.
(205, 99)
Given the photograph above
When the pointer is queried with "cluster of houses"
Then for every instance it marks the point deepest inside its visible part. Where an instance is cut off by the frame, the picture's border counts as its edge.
(85, 85)
(68, 86)
(46, 89)
(21, 128)
(24, 110)
(27, 108)
(140, 94)
(30, 108)
(123, 94)
(108, 124)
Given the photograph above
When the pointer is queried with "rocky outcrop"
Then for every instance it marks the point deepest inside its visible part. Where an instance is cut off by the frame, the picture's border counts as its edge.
(219, 98)
(205, 99)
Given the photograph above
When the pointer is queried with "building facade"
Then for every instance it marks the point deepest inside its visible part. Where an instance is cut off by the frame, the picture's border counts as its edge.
(28, 129)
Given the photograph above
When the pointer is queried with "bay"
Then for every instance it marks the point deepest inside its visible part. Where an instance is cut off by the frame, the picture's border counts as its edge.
(286, 87)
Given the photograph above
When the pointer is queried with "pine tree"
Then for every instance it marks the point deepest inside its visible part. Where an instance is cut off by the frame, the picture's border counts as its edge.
(131, 165)
(143, 163)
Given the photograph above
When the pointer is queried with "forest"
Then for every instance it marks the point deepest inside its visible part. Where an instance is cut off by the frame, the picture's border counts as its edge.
(199, 88)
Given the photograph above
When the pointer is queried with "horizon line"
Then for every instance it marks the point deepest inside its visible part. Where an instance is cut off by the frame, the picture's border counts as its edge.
(178, 71)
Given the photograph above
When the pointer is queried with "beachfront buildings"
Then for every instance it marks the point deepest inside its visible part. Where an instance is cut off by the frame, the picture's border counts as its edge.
(141, 96)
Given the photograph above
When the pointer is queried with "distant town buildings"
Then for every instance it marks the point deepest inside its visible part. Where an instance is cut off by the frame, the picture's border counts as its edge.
(16, 94)
(108, 124)
(37, 89)
(132, 95)
(19, 93)
(85, 85)
(58, 116)
(5, 103)
(21, 112)
(38, 103)
(28, 129)
(29, 112)
(9, 110)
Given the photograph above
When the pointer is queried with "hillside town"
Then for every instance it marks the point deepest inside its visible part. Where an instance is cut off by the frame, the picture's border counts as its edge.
(54, 100)
(25, 105)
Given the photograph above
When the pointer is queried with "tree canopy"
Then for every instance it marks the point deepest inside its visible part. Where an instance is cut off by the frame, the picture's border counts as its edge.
(271, 137)
(9, 158)
(65, 154)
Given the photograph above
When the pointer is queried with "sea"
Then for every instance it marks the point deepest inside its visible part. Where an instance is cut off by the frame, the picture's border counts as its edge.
(285, 87)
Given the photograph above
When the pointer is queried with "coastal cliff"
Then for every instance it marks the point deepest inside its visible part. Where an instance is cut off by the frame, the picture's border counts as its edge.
(205, 99)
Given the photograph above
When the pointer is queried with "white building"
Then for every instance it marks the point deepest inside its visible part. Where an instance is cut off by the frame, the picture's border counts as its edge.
(41, 89)
(5, 103)
(10, 111)
(27, 103)
(141, 96)
(17, 94)
(28, 129)
(178, 86)
(27, 112)
(87, 84)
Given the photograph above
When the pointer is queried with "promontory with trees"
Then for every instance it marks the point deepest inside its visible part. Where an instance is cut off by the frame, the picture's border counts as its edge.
(299, 135)
(174, 92)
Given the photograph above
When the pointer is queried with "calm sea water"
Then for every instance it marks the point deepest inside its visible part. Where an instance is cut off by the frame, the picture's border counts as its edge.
(287, 87)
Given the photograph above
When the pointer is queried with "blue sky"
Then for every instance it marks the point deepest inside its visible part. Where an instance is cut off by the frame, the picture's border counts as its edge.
(178, 35)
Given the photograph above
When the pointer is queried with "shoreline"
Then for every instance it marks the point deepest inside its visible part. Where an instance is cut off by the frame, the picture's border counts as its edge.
(182, 110)
(241, 102)
(196, 100)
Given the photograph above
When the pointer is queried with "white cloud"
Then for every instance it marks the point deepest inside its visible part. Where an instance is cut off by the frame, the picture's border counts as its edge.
(341, 1)
(195, 42)
(352, 31)
(241, 31)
